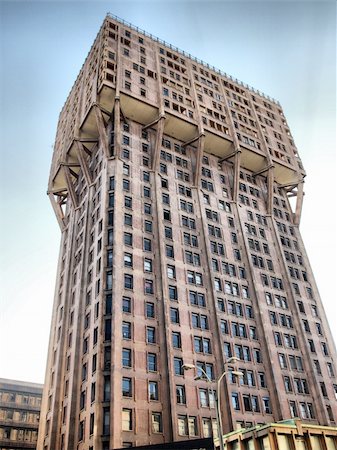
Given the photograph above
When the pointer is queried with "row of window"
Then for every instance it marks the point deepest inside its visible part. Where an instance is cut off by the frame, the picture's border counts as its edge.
(250, 403)
(19, 416)
(14, 397)
(243, 352)
(18, 434)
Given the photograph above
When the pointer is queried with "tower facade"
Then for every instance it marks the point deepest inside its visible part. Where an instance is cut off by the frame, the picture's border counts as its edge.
(178, 191)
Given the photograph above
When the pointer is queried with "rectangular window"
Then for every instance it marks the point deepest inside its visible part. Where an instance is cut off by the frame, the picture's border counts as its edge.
(152, 362)
(126, 419)
(178, 364)
(126, 330)
(150, 335)
(128, 281)
(153, 390)
(176, 339)
(157, 425)
(127, 387)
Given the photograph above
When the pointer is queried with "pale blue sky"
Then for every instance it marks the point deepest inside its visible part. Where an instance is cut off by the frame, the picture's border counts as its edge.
(287, 49)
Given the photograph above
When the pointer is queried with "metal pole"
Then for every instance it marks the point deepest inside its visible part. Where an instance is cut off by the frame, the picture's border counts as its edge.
(217, 405)
(218, 401)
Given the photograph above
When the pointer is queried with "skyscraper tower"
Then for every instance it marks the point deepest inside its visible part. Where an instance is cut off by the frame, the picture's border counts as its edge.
(172, 183)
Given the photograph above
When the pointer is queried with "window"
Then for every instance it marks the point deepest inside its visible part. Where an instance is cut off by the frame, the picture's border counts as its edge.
(317, 367)
(174, 314)
(197, 299)
(168, 233)
(157, 425)
(190, 239)
(128, 281)
(287, 384)
(180, 395)
(176, 339)
(147, 208)
(266, 405)
(147, 245)
(126, 304)
(169, 251)
(171, 272)
(148, 286)
(200, 321)
(127, 387)
(173, 293)
(167, 215)
(166, 199)
(148, 226)
(149, 310)
(147, 265)
(126, 419)
(152, 362)
(205, 367)
(146, 192)
(235, 401)
(311, 346)
(128, 220)
(277, 338)
(194, 277)
(257, 355)
(126, 184)
(150, 335)
(153, 390)
(178, 364)
(127, 259)
(128, 239)
(330, 369)
(126, 330)
(325, 350)
(192, 258)
(202, 345)
(80, 430)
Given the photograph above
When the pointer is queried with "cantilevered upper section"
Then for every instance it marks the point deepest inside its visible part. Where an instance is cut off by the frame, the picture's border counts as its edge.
(151, 80)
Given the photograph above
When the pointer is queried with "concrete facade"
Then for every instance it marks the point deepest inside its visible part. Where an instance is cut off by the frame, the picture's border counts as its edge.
(20, 404)
(178, 191)
(285, 435)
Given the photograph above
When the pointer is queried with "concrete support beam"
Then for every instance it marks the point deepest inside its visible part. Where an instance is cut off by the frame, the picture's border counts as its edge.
(70, 186)
(299, 203)
(83, 163)
(265, 169)
(103, 136)
(270, 190)
(197, 173)
(152, 124)
(237, 164)
(159, 137)
(57, 210)
(117, 127)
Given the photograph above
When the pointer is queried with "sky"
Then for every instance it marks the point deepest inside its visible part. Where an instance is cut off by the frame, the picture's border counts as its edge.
(286, 49)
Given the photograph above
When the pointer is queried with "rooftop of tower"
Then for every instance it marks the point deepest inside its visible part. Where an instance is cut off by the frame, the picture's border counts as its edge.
(193, 58)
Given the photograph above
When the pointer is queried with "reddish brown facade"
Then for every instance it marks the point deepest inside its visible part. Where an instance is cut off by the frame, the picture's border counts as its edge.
(171, 184)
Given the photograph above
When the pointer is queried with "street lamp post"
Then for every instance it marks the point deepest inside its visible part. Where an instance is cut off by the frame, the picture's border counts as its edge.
(216, 395)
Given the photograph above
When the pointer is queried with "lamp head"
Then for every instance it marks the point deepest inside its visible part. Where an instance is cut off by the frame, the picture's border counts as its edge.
(188, 366)
(237, 373)
(232, 359)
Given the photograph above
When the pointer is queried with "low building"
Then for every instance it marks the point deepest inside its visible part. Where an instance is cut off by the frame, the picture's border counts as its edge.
(20, 404)
(284, 435)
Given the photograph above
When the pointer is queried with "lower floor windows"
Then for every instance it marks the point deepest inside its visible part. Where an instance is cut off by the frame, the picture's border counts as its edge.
(126, 419)
(157, 422)
(187, 426)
